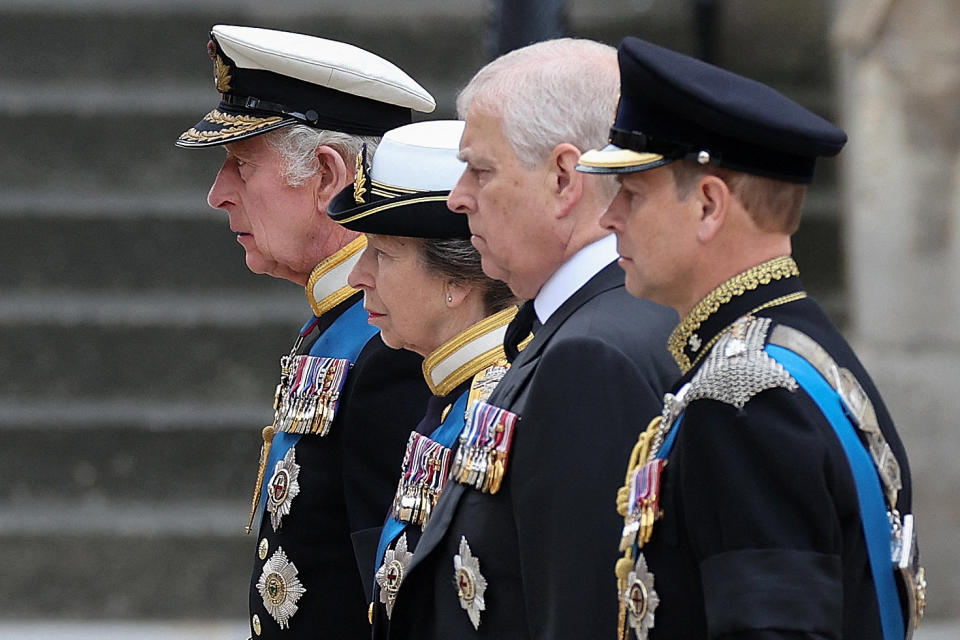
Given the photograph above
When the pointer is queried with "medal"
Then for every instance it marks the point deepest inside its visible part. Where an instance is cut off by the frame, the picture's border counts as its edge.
(282, 488)
(639, 599)
(481, 459)
(280, 588)
(309, 393)
(391, 573)
(469, 582)
(424, 475)
(643, 508)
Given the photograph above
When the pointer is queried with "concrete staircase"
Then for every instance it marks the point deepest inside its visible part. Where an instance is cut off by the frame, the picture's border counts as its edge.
(137, 354)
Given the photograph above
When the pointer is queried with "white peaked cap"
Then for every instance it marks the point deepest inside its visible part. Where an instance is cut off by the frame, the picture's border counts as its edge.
(327, 63)
(420, 157)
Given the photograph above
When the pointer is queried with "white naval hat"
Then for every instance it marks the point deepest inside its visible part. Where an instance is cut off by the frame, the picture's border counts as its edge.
(269, 79)
(405, 194)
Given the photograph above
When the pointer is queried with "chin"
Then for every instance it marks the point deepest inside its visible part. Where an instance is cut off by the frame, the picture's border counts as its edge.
(390, 341)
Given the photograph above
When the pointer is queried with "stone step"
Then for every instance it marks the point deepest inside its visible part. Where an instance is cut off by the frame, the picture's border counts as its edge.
(89, 41)
(202, 347)
(182, 560)
(97, 453)
(102, 152)
(123, 242)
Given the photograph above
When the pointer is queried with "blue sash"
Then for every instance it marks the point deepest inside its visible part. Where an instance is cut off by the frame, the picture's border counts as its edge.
(873, 514)
(345, 338)
(446, 434)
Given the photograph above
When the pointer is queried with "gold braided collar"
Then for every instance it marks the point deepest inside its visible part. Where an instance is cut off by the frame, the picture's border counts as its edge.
(327, 286)
(467, 353)
(776, 269)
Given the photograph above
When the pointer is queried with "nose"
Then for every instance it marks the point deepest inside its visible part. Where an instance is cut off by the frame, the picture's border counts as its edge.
(221, 195)
(461, 199)
(361, 276)
(612, 218)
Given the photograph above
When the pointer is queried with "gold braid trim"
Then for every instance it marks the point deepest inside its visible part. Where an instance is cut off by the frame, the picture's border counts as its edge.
(232, 126)
(776, 269)
(638, 457)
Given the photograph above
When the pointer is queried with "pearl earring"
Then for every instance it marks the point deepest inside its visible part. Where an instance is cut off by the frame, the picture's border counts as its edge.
(449, 298)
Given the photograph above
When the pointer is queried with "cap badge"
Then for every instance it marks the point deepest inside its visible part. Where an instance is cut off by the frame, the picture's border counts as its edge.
(360, 177)
(391, 573)
(640, 599)
(283, 488)
(280, 588)
(470, 584)
(221, 72)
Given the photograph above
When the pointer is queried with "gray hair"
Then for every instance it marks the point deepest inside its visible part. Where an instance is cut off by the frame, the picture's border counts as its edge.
(297, 143)
(457, 260)
(549, 93)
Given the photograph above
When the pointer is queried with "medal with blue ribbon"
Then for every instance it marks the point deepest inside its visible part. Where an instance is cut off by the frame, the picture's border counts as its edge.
(481, 459)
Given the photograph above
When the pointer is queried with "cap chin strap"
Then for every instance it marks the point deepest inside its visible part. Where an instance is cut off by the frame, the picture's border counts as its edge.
(641, 142)
(309, 117)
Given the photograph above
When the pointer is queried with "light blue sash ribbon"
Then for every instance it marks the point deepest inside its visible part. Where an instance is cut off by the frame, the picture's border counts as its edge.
(446, 434)
(344, 338)
(873, 514)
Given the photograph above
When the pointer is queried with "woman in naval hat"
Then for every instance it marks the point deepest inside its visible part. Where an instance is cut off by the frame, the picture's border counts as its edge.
(424, 288)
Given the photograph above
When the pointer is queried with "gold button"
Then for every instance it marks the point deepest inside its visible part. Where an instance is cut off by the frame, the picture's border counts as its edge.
(370, 613)
(263, 549)
(256, 624)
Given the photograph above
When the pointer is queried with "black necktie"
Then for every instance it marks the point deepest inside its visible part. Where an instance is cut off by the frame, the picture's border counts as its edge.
(519, 328)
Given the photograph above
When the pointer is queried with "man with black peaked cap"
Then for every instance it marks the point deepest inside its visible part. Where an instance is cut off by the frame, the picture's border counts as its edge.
(520, 542)
(295, 113)
(771, 498)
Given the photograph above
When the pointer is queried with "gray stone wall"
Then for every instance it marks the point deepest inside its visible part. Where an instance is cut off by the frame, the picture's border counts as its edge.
(900, 88)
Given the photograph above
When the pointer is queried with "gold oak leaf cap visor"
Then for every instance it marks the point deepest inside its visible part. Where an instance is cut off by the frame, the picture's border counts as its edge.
(269, 79)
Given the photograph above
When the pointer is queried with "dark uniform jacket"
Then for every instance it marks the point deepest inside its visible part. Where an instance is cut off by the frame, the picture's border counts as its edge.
(477, 374)
(347, 480)
(594, 370)
(761, 530)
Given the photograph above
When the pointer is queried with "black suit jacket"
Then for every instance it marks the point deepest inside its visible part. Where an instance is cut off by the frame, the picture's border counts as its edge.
(347, 482)
(546, 541)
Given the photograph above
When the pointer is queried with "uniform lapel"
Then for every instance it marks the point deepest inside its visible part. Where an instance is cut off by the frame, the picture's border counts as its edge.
(507, 392)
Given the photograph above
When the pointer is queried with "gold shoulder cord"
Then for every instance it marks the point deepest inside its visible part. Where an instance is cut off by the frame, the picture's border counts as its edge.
(638, 458)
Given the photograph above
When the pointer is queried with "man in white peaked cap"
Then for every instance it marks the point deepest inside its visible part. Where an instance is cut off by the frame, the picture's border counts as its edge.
(295, 112)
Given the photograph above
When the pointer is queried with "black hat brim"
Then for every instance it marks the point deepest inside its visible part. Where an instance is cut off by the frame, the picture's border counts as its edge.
(422, 214)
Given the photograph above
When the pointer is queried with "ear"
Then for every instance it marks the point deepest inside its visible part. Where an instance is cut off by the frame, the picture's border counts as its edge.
(565, 182)
(454, 293)
(712, 201)
(332, 175)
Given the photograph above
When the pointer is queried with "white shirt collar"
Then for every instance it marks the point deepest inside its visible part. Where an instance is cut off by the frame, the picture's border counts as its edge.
(573, 274)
